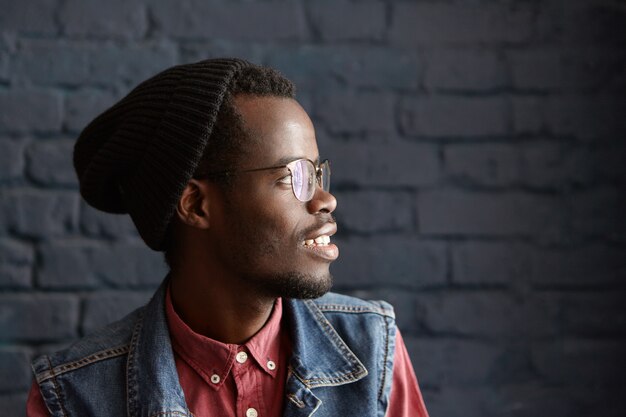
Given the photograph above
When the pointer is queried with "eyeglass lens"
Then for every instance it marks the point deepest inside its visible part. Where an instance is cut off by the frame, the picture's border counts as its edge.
(304, 175)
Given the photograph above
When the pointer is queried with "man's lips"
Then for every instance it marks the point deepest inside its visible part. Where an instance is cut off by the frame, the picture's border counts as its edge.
(323, 233)
(318, 242)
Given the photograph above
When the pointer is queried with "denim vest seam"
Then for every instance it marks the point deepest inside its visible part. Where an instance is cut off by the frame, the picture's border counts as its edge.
(295, 400)
(384, 376)
(56, 388)
(131, 385)
(355, 309)
(71, 366)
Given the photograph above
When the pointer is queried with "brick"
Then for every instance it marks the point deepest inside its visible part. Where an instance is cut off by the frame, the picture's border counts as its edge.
(446, 362)
(106, 307)
(456, 212)
(558, 68)
(11, 159)
(388, 261)
(312, 65)
(30, 110)
(422, 23)
(467, 401)
(81, 264)
(38, 317)
(83, 106)
(13, 404)
(527, 114)
(585, 22)
(598, 314)
(15, 373)
(464, 70)
(5, 74)
(348, 112)
(599, 212)
(454, 116)
(405, 305)
(375, 211)
(585, 266)
(50, 163)
(197, 19)
(193, 51)
(120, 19)
(80, 63)
(130, 265)
(536, 164)
(96, 223)
(556, 164)
(469, 313)
(484, 164)
(524, 400)
(16, 261)
(585, 117)
(341, 20)
(387, 164)
(543, 316)
(607, 163)
(540, 398)
(34, 17)
(39, 214)
(503, 263)
(68, 265)
(570, 360)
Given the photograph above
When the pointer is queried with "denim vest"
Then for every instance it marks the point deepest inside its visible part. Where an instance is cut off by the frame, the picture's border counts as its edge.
(341, 364)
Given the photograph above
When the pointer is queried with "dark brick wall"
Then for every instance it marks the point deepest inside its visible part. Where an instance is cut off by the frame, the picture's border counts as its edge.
(478, 151)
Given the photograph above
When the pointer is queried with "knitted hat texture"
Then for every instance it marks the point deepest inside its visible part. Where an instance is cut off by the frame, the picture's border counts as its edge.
(138, 156)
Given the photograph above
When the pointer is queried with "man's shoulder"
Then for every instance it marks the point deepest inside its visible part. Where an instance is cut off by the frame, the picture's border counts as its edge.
(107, 342)
(340, 303)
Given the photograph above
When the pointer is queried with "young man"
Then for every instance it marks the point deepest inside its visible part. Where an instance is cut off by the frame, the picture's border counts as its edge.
(218, 166)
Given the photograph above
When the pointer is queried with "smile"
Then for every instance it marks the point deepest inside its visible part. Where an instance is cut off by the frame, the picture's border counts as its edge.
(322, 240)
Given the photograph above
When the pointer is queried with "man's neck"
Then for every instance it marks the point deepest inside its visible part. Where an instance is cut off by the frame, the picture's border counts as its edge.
(218, 307)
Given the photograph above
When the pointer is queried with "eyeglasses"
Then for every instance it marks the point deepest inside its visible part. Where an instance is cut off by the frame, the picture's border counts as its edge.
(303, 176)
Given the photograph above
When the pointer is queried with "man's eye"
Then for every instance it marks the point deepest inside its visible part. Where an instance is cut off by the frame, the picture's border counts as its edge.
(286, 179)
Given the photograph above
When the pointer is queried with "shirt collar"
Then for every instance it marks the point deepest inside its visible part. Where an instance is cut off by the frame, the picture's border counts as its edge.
(210, 357)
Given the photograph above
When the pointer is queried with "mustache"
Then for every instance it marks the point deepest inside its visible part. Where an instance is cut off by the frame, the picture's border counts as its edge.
(321, 220)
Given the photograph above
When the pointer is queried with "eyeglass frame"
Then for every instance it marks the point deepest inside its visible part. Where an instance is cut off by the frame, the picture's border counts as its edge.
(318, 174)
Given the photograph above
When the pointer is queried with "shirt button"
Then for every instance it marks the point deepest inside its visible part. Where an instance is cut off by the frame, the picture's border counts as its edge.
(251, 412)
(215, 378)
(271, 365)
(241, 357)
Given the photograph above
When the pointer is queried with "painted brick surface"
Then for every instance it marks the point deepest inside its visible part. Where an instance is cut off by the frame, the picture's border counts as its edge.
(478, 159)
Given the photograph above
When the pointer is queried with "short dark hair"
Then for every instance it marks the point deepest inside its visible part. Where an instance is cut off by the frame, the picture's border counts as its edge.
(228, 140)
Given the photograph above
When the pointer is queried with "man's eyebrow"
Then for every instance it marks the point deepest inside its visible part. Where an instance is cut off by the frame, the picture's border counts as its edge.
(287, 159)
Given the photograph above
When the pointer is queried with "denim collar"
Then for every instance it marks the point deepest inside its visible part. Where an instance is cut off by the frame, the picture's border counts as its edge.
(152, 379)
(320, 357)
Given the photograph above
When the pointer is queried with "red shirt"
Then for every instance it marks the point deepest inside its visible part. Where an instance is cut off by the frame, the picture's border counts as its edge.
(220, 379)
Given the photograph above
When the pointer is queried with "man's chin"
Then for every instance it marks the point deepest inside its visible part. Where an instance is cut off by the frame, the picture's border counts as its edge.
(296, 285)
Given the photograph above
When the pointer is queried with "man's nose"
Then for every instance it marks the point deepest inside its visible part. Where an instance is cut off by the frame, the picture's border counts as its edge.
(322, 201)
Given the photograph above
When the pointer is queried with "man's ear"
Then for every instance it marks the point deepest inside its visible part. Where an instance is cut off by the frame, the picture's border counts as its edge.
(193, 207)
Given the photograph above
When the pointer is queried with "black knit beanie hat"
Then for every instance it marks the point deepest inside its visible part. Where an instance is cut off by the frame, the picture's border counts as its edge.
(138, 156)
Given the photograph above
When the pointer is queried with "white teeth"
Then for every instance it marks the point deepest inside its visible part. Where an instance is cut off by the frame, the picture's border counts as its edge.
(318, 241)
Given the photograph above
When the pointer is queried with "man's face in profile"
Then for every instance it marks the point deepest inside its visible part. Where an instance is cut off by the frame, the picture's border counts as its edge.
(263, 231)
